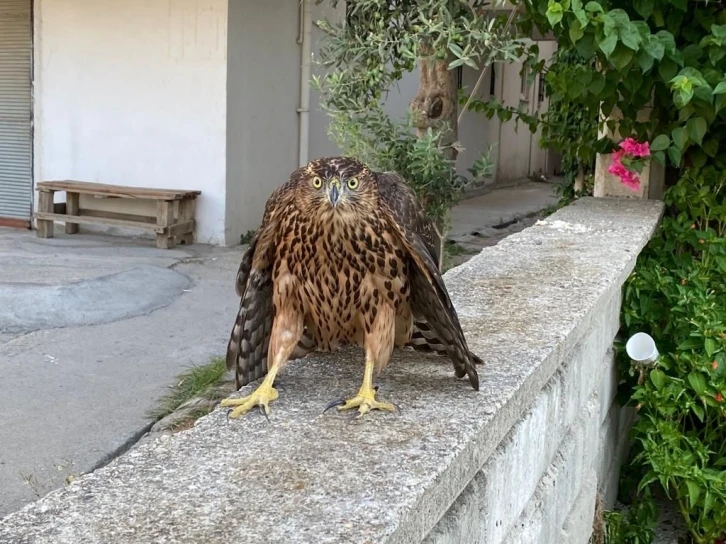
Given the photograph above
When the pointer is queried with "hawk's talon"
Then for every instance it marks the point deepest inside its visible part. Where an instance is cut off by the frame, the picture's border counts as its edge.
(366, 402)
(261, 397)
(333, 403)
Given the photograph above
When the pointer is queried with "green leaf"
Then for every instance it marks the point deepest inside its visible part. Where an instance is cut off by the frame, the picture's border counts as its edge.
(645, 61)
(711, 345)
(654, 47)
(698, 158)
(630, 36)
(667, 39)
(674, 154)
(720, 88)
(679, 137)
(621, 57)
(659, 157)
(658, 378)
(593, 7)
(711, 147)
(715, 54)
(597, 84)
(607, 45)
(554, 13)
(694, 492)
(683, 96)
(643, 7)
(698, 383)
(719, 103)
(667, 69)
(576, 31)
(660, 143)
(697, 127)
(698, 410)
(456, 50)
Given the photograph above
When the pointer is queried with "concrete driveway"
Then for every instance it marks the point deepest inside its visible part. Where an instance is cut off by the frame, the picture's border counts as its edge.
(92, 331)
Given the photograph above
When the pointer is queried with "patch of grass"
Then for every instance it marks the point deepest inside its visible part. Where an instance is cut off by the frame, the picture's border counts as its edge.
(247, 238)
(452, 249)
(197, 382)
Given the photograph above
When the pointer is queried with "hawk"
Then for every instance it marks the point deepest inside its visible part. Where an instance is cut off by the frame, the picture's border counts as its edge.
(344, 255)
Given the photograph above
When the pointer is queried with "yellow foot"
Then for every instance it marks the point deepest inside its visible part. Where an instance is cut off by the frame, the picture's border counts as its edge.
(262, 396)
(365, 401)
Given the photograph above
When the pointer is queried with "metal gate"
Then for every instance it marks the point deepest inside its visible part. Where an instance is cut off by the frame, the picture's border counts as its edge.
(16, 142)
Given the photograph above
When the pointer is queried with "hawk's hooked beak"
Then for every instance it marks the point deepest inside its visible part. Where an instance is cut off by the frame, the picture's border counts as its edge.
(334, 191)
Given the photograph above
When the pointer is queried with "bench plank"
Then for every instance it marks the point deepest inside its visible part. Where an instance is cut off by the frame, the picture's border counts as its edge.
(120, 191)
(45, 216)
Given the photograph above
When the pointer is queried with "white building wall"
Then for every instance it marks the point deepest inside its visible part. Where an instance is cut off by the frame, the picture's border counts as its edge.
(133, 92)
(263, 93)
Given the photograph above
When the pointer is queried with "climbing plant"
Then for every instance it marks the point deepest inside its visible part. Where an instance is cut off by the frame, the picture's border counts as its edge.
(666, 55)
(660, 77)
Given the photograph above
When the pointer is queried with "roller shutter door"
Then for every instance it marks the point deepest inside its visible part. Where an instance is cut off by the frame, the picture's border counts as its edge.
(16, 47)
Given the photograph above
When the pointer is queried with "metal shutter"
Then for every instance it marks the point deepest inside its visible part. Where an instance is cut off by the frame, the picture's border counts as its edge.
(16, 47)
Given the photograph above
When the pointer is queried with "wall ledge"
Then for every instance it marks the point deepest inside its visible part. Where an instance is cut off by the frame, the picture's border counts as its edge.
(308, 477)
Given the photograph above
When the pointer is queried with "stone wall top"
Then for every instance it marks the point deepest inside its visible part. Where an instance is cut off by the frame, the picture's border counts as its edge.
(309, 477)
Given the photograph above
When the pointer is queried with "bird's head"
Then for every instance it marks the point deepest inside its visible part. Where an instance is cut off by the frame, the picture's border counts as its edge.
(339, 184)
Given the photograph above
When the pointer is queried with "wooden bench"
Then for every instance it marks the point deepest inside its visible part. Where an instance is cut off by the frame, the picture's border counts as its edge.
(174, 219)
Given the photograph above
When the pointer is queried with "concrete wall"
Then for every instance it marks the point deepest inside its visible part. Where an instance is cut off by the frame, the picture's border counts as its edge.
(263, 89)
(134, 93)
(540, 484)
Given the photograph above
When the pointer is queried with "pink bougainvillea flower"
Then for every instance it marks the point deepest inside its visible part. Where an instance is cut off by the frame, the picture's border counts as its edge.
(629, 148)
(631, 181)
(636, 149)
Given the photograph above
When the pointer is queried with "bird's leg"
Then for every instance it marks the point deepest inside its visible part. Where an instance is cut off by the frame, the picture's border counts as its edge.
(286, 331)
(365, 400)
(379, 341)
(262, 396)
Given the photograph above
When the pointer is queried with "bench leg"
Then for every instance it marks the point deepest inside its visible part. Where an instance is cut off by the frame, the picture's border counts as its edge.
(186, 213)
(164, 218)
(72, 208)
(45, 204)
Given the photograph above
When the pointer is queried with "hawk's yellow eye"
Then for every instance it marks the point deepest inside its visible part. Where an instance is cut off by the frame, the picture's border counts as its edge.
(353, 183)
(317, 182)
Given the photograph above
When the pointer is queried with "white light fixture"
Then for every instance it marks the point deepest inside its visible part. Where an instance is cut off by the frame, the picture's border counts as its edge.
(641, 349)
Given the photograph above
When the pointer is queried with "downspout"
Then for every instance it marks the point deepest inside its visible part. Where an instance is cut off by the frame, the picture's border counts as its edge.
(304, 39)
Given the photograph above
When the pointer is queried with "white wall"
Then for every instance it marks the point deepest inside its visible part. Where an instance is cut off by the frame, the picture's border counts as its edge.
(476, 132)
(519, 152)
(132, 92)
(263, 92)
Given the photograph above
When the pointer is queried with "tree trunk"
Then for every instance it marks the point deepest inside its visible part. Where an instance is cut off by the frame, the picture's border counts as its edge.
(580, 180)
(436, 106)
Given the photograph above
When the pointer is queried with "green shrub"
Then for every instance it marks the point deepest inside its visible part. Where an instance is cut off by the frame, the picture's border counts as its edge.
(677, 294)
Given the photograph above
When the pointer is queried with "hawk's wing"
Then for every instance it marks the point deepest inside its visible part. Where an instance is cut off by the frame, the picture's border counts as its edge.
(430, 303)
(250, 337)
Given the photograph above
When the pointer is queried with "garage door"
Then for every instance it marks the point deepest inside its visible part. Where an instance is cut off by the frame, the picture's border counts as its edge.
(16, 46)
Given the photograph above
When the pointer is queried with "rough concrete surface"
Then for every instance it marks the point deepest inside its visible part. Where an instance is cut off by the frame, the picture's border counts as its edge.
(305, 476)
(101, 326)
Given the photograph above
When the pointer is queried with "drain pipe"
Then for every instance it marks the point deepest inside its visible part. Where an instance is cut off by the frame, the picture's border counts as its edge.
(304, 39)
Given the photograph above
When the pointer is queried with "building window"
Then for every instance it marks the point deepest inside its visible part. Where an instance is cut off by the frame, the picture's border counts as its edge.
(493, 81)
